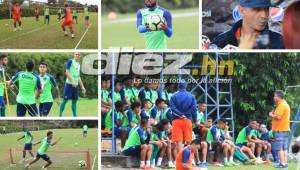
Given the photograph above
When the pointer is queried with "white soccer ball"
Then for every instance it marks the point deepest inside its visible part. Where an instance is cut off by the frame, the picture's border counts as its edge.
(82, 164)
(155, 21)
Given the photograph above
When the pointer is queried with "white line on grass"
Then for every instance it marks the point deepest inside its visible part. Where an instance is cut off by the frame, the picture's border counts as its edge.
(25, 33)
(182, 15)
(83, 36)
(9, 166)
(94, 161)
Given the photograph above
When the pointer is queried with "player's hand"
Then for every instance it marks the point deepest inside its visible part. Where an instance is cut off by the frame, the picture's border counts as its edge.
(83, 90)
(271, 114)
(164, 26)
(247, 41)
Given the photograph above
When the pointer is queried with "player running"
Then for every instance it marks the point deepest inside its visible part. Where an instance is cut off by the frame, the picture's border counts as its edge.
(68, 21)
(41, 153)
(47, 82)
(71, 90)
(75, 15)
(85, 130)
(154, 39)
(16, 15)
(47, 14)
(28, 144)
(86, 16)
(29, 86)
(3, 63)
(36, 14)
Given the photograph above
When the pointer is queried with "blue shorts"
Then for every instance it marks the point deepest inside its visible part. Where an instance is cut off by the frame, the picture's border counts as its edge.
(45, 157)
(133, 151)
(23, 108)
(2, 102)
(45, 108)
(281, 142)
(119, 130)
(240, 145)
(70, 92)
(28, 147)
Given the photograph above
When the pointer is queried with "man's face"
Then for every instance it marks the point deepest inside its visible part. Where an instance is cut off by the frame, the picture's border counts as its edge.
(161, 105)
(118, 87)
(150, 3)
(107, 84)
(43, 68)
(255, 18)
(77, 56)
(209, 122)
(137, 110)
(129, 83)
(253, 124)
(103, 85)
(148, 105)
(276, 98)
(202, 107)
(50, 136)
(5, 61)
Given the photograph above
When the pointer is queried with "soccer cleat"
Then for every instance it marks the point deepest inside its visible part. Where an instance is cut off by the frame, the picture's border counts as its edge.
(227, 164)
(234, 164)
(280, 166)
(15, 29)
(218, 164)
(66, 33)
(259, 161)
(204, 164)
(27, 166)
(171, 165)
(19, 28)
(73, 36)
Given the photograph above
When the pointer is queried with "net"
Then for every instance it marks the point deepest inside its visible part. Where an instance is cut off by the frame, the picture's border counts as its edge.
(61, 159)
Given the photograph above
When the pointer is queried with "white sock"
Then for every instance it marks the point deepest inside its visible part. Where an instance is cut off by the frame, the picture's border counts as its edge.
(231, 159)
(159, 161)
(148, 163)
(142, 163)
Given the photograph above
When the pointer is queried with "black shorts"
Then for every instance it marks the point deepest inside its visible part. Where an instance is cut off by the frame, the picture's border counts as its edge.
(74, 17)
(84, 132)
(28, 147)
(45, 157)
(45, 108)
(87, 18)
(23, 108)
(47, 17)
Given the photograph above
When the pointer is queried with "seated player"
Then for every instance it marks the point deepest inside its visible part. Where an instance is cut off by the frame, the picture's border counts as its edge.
(127, 93)
(258, 145)
(185, 157)
(137, 144)
(216, 139)
(160, 111)
(42, 151)
(147, 107)
(148, 93)
(266, 146)
(116, 93)
(245, 142)
(158, 146)
(170, 148)
(28, 144)
(134, 114)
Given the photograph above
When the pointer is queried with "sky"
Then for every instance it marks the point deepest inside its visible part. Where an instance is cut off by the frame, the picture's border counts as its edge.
(90, 2)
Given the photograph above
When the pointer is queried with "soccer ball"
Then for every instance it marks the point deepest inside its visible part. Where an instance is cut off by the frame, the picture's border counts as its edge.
(154, 22)
(82, 164)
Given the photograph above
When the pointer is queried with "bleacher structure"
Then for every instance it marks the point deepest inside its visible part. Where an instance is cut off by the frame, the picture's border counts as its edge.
(214, 89)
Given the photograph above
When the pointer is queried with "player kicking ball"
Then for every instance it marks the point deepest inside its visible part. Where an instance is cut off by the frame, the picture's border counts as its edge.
(68, 21)
(73, 82)
(47, 83)
(41, 153)
(16, 15)
(28, 144)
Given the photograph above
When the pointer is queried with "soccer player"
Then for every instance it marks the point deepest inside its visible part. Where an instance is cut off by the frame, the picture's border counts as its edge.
(85, 130)
(16, 15)
(36, 14)
(59, 14)
(137, 144)
(41, 153)
(116, 92)
(28, 144)
(86, 16)
(186, 155)
(29, 86)
(68, 21)
(3, 63)
(160, 111)
(71, 90)
(154, 39)
(47, 14)
(47, 82)
(4, 130)
(75, 16)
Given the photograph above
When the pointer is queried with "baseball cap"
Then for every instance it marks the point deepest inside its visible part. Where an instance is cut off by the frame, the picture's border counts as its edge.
(256, 3)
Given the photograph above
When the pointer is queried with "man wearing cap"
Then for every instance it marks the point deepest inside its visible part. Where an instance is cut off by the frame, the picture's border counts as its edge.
(281, 127)
(252, 31)
(184, 108)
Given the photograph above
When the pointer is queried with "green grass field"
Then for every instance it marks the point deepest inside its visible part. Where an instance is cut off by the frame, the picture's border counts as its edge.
(85, 108)
(123, 32)
(37, 35)
(62, 161)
